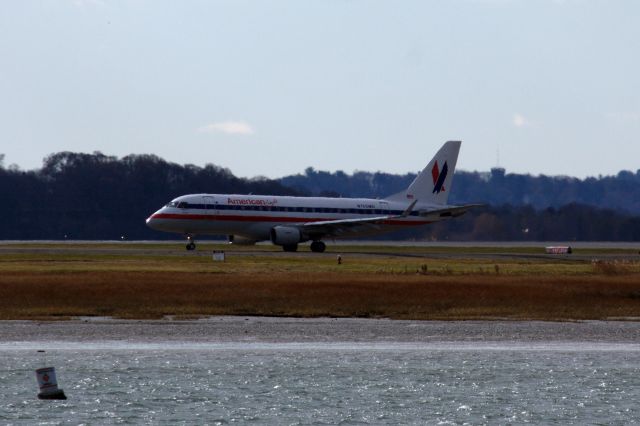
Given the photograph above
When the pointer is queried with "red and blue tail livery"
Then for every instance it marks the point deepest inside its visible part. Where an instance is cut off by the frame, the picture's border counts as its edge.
(438, 177)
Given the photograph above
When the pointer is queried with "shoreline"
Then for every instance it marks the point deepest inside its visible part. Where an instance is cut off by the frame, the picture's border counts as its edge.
(285, 330)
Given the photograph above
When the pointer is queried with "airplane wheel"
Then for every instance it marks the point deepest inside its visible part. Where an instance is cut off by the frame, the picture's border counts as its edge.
(290, 247)
(318, 247)
(191, 246)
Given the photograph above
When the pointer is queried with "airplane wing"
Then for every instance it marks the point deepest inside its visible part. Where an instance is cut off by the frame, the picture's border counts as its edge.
(453, 211)
(343, 227)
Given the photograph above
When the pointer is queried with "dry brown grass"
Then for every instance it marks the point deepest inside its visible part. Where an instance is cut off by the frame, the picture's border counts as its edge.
(612, 267)
(150, 282)
(151, 294)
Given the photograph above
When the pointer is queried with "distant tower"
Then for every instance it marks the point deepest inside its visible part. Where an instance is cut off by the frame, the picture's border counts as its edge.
(497, 172)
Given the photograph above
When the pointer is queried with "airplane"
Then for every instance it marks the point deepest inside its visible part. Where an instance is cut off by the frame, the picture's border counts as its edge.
(288, 221)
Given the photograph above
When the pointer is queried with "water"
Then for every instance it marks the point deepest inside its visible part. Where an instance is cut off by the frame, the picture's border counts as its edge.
(324, 383)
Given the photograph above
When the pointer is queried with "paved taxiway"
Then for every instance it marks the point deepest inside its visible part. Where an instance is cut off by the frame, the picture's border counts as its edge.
(463, 250)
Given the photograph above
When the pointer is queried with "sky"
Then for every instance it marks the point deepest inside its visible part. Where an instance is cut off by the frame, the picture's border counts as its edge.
(269, 88)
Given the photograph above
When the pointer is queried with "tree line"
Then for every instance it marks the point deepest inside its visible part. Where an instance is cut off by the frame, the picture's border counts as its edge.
(620, 192)
(95, 196)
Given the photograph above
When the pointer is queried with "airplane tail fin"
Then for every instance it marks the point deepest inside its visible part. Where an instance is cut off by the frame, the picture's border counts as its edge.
(433, 184)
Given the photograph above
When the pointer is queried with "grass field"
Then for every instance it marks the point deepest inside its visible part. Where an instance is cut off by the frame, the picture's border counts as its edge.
(59, 281)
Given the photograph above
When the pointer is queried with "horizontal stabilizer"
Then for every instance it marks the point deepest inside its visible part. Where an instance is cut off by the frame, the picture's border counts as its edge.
(409, 209)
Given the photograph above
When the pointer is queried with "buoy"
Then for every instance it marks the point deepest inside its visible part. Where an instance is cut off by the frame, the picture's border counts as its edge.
(48, 384)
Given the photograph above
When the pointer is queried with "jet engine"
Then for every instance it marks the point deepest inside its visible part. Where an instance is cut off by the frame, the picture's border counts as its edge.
(286, 235)
(241, 241)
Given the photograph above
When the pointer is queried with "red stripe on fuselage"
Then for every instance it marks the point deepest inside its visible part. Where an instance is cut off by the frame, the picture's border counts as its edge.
(239, 218)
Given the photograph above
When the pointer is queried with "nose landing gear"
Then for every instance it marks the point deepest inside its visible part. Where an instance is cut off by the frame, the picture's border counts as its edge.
(191, 245)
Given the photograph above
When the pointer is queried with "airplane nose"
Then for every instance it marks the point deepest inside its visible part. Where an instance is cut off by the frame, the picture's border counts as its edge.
(158, 222)
(152, 222)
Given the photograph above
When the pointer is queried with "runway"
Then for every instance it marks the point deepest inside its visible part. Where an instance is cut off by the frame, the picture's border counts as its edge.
(498, 250)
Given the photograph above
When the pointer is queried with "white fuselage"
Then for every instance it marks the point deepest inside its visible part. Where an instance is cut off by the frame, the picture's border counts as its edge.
(253, 216)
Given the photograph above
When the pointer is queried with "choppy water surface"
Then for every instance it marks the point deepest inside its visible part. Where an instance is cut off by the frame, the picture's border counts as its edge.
(324, 383)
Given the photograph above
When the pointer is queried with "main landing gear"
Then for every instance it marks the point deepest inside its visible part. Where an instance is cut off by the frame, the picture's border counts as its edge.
(191, 245)
(318, 247)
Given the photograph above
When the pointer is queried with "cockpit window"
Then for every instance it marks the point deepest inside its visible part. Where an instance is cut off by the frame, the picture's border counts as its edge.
(183, 205)
(172, 204)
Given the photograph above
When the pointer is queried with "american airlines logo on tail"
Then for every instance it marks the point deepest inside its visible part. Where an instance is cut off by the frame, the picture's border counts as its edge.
(438, 177)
